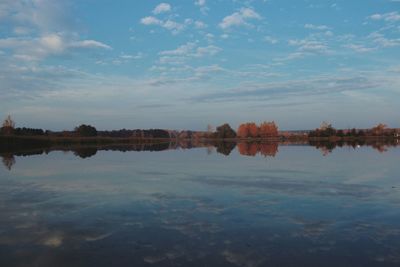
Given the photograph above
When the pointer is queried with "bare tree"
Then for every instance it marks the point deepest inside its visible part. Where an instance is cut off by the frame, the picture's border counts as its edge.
(8, 125)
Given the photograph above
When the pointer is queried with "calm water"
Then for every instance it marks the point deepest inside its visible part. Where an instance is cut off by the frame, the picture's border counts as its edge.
(196, 207)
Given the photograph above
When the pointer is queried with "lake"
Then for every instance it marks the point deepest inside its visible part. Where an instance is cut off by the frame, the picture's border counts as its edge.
(292, 205)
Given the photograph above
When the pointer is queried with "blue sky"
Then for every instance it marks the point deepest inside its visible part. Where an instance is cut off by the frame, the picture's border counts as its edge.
(185, 64)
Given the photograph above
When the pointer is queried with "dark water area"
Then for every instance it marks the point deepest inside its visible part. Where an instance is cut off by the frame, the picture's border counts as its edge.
(220, 204)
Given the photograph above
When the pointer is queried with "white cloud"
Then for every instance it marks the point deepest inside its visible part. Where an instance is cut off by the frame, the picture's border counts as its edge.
(359, 48)
(311, 46)
(224, 36)
(41, 15)
(150, 21)
(34, 49)
(187, 51)
(202, 5)
(182, 50)
(173, 26)
(316, 27)
(90, 44)
(209, 37)
(21, 30)
(41, 28)
(383, 41)
(239, 18)
(132, 57)
(162, 8)
(388, 17)
(52, 42)
(200, 25)
(200, 2)
(210, 50)
(270, 40)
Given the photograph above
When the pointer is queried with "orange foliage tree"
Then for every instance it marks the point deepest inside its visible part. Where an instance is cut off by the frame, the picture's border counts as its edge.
(379, 129)
(251, 130)
(268, 129)
(247, 130)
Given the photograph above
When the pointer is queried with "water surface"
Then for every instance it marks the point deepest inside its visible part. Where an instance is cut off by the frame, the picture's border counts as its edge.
(194, 207)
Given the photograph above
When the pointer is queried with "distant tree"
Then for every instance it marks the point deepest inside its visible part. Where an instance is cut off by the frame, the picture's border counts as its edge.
(248, 130)
(325, 125)
(242, 131)
(225, 131)
(8, 126)
(325, 130)
(253, 129)
(268, 129)
(379, 129)
(86, 130)
(28, 131)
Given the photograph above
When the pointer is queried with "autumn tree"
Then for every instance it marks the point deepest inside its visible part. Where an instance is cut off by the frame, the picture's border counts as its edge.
(8, 126)
(268, 129)
(242, 131)
(379, 129)
(248, 130)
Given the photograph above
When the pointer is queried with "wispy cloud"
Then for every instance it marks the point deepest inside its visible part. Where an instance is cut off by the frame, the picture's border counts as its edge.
(162, 8)
(388, 17)
(41, 29)
(382, 41)
(316, 27)
(171, 25)
(47, 45)
(270, 40)
(187, 51)
(311, 46)
(202, 5)
(289, 89)
(359, 48)
(240, 18)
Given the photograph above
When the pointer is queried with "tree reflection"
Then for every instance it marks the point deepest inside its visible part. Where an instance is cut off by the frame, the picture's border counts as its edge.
(85, 152)
(266, 149)
(327, 147)
(252, 149)
(8, 160)
(225, 148)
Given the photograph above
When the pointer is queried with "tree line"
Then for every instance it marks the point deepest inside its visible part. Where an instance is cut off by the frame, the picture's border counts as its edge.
(249, 130)
(327, 131)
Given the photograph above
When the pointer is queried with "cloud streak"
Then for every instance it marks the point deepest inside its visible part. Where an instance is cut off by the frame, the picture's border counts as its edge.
(239, 18)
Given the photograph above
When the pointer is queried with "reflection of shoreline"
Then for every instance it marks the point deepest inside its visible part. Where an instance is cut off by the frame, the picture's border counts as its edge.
(381, 145)
(245, 148)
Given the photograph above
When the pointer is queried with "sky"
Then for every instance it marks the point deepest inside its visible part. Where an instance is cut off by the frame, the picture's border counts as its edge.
(189, 63)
